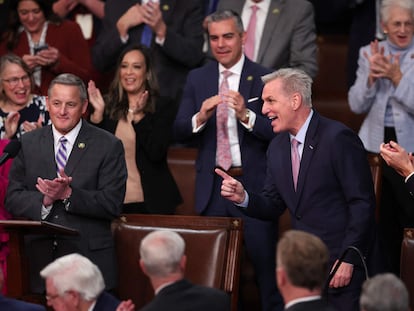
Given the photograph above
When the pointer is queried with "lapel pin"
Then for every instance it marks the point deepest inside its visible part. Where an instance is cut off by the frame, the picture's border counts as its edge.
(276, 11)
(81, 145)
(249, 78)
(165, 7)
(311, 147)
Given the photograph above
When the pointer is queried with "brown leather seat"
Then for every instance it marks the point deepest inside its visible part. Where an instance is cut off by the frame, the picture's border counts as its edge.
(406, 265)
(213, 246)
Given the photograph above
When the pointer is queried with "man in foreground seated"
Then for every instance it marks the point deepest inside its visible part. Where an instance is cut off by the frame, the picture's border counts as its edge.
(163, 261)
(301, 271)
(73, 282)
(385, 292)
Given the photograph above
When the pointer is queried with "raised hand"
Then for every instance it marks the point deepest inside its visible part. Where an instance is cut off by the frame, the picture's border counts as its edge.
(231, 188)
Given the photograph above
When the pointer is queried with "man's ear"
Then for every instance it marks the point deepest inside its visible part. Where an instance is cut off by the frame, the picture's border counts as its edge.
(296, 100)
(183, 262)
(142, 266)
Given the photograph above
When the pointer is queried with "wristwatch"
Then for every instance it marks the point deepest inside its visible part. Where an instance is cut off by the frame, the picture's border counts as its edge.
(246, 116)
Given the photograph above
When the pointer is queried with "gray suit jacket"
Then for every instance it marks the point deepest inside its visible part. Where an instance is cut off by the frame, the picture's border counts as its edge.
(289, 34)
(97, 166)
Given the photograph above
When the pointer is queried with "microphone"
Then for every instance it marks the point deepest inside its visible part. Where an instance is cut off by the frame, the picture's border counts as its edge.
(10, 151)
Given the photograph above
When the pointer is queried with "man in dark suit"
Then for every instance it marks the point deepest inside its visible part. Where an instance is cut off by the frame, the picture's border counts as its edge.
(302, 268)
(163, 261)
(11, 304)
(325, 182)
(400, 160)
(285, 33)
(86, 195)
(248, 134)
(174, 32)
(73, 282)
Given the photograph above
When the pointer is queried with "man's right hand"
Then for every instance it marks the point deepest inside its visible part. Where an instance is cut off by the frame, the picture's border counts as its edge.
(207, 109)
(131, 18)
(231, 188)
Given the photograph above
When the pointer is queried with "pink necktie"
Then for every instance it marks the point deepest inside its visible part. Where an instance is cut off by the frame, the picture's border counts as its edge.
(251, 34)
(295, 161)
(223, 145)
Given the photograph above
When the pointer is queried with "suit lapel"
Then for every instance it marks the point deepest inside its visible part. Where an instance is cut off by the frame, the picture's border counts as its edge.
(309, 148)
(79, 148)
(272, 20)
(48, 149)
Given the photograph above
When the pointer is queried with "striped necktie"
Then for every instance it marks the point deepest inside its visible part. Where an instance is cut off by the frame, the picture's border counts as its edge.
(62, 154)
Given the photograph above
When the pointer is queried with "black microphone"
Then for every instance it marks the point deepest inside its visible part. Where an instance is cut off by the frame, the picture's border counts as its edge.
(10, 151)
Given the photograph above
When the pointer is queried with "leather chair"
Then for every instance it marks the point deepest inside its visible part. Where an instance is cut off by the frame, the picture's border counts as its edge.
(213, 249)
(406, 264)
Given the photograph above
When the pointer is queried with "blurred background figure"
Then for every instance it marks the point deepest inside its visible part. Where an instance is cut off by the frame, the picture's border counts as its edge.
(47, 44)
(384, 90)
(73, 282)
(4, 237)
(171, 29)
(301, 271)
(142, 119)
(384, 292)
(278, 33)
(20, 110)
(163, 260)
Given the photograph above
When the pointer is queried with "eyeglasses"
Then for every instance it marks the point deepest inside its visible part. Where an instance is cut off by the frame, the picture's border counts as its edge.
(52, 297)
(15, 80)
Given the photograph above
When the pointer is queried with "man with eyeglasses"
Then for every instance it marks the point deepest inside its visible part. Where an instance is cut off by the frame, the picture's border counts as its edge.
(73, 282)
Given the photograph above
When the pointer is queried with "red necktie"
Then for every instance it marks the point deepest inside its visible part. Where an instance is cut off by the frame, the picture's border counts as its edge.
(251, 34)
(223, 155)
(295, 161)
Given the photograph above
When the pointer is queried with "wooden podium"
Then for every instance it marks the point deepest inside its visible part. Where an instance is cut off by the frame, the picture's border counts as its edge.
(17, 262)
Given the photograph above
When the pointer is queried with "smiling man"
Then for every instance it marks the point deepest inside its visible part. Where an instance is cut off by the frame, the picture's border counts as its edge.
(332, 194)
(221, 112)
(73, 174)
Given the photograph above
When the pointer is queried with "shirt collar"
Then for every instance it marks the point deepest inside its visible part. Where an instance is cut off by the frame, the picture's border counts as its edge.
(301, 135)
(263, 5)
(71, 136)
(299, 300)
(236, 69)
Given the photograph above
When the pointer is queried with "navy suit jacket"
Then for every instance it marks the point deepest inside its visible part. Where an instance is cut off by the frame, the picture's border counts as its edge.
(106, 302)
(201, 84)
(335, 195)
(185, 296)
(97, 166)
(10, 304)
(410, 185)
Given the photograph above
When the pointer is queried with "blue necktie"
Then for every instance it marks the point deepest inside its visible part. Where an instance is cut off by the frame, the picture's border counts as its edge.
(146, 36)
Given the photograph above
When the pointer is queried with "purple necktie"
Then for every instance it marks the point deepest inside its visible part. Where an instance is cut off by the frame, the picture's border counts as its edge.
(223, 155)
(62, 154)
(251, 34)
(295, 161)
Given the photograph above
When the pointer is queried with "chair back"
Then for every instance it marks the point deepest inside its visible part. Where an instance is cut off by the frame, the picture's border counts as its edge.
(213, 246)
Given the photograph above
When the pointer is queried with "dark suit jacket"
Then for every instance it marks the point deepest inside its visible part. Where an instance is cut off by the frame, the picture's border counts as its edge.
(314, 305)
(185, 296)
(10, 304)
(410, 185)
(335, 196)
(182, 48)
(289, 34)
(97, 166)
(201, 84)
(106, 302)
(154, 134)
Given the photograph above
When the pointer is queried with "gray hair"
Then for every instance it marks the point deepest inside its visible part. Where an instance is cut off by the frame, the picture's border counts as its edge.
(386, 6)
(69, 79)
(161, 252)
(384, 292)
(294, 81)
(219, 16)
(75, 272)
